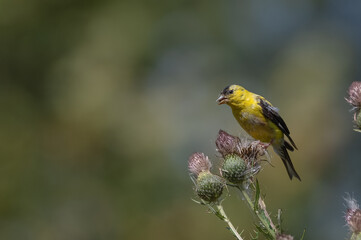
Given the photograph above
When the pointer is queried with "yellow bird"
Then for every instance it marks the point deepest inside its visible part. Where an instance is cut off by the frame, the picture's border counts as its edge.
(261, 120)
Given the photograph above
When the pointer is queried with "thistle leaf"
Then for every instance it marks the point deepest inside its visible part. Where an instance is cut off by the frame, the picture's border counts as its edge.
(264, 232)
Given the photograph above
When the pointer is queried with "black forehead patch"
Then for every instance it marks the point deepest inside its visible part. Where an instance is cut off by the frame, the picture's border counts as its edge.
(227, 90)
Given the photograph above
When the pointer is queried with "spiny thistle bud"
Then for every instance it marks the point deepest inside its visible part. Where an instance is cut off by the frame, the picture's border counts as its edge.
(234, 169)
(354, 99)
(284, 237)
(353, 215)
(209, 187)
(241, 157)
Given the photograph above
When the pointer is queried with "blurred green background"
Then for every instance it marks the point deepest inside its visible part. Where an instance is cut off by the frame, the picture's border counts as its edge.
(102, 102)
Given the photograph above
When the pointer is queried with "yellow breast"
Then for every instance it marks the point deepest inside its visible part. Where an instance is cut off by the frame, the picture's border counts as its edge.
(251, 119)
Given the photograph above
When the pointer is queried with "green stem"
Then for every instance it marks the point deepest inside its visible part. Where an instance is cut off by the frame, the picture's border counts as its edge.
(263, 207)
(226, 219)
(258, 214)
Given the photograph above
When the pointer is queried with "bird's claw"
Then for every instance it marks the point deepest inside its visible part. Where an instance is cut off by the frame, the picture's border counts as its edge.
(265, 145)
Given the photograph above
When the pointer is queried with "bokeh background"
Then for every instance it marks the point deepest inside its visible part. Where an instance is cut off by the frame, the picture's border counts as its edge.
(102, 102)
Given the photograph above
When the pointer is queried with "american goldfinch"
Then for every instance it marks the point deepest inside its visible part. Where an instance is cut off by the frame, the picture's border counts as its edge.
(261, 121)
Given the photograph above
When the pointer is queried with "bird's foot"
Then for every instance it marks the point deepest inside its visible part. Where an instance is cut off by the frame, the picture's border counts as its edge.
(265, 145)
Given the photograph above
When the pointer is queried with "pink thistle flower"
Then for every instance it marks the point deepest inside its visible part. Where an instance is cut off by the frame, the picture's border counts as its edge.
(353, 215)
(198, 162)
(354, 93)
(284, 237)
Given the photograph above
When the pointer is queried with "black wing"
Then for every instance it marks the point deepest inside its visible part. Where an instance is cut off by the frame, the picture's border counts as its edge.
(271, 113)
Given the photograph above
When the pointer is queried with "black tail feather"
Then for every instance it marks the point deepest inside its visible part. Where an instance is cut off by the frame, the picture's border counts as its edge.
(292, 142)
(289, 146)
(282, 152)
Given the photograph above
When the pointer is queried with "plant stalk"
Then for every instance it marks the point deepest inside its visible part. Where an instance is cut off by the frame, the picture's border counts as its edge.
(257, 213)
(226, 219)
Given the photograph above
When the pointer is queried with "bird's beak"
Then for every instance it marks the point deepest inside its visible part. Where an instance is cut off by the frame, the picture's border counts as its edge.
(221, 99)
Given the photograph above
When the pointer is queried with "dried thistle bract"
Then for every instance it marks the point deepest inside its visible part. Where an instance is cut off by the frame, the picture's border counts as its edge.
(241, 157)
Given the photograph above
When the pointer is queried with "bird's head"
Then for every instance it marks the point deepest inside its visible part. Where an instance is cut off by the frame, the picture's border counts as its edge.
(231, 95)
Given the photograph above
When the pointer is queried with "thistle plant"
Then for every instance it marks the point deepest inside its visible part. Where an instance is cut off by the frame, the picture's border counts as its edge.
(209, 187)
(353, 212)
(241, 158)
(354, 99)
(241, 161)
(353, 218)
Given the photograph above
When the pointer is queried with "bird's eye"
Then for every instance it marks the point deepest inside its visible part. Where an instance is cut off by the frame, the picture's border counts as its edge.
(230, 91)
